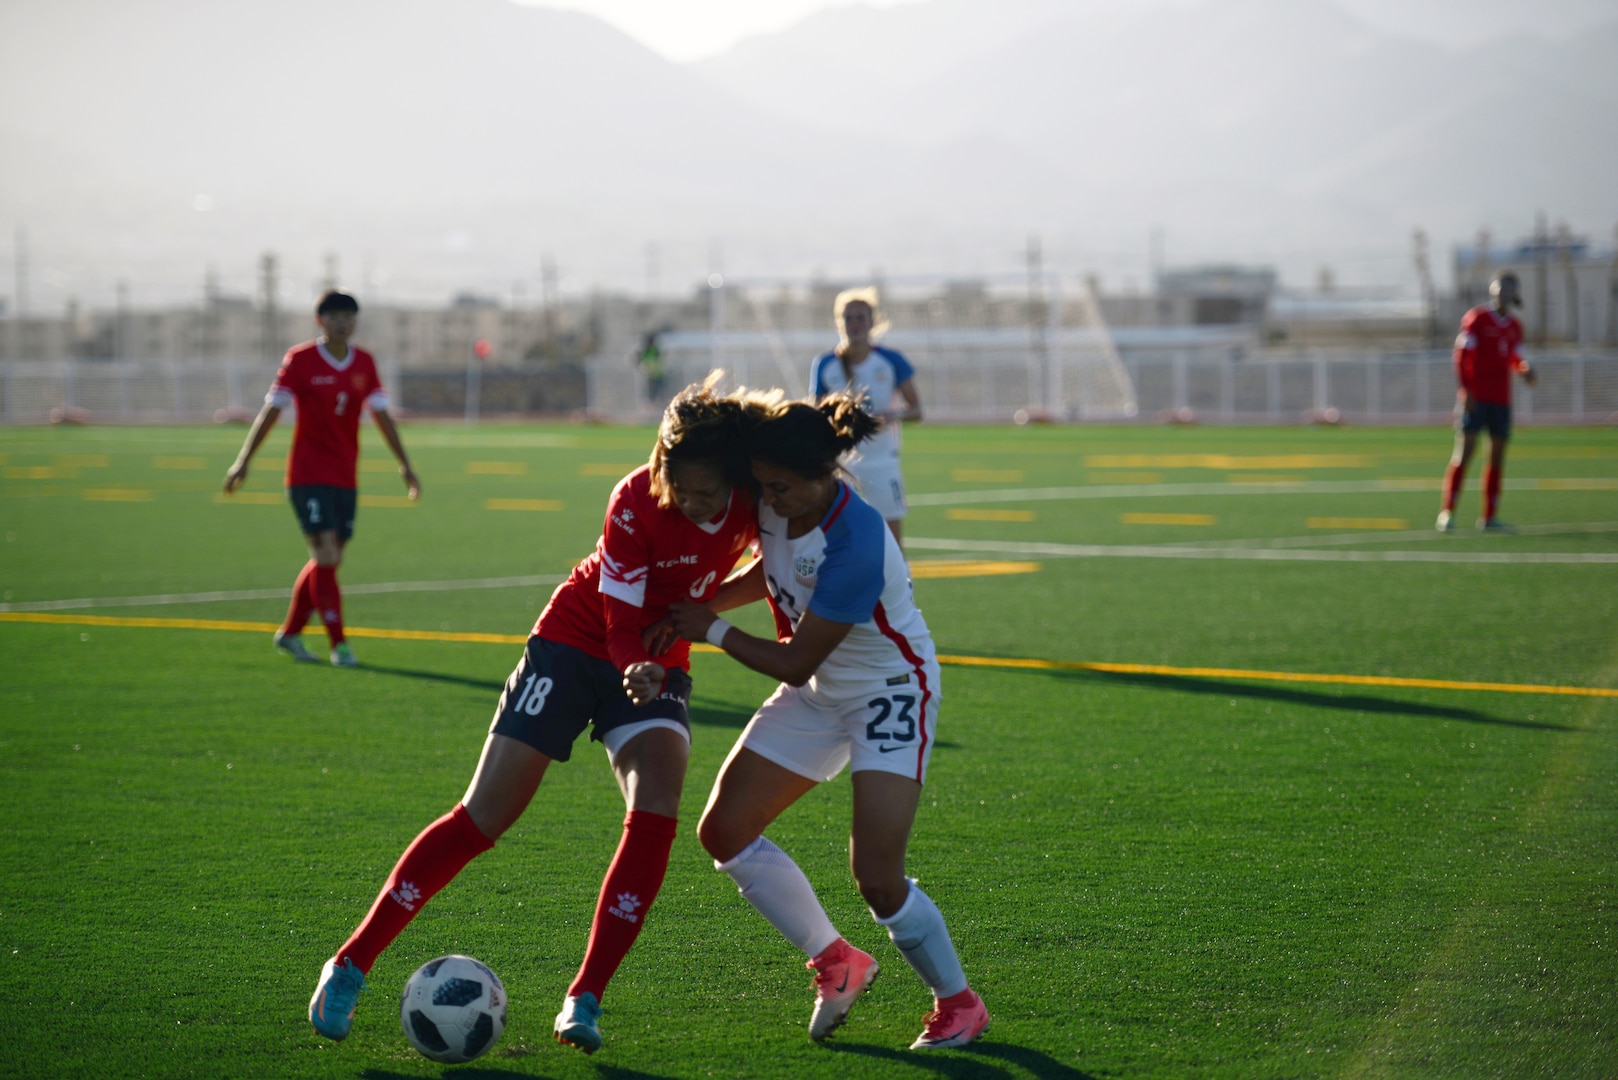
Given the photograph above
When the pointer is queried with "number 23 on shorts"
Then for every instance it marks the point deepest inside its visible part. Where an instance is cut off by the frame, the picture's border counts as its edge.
(900, 708)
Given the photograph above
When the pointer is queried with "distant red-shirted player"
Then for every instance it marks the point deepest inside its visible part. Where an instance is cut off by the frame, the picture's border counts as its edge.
(1485, 356)
(330, 381)
(674, 529)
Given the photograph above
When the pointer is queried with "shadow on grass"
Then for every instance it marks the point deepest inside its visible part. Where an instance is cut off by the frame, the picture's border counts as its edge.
(494, 685)
(720, 714)
(980, 1059)
(489, 1069)
(1351, 702)
(462, 1072)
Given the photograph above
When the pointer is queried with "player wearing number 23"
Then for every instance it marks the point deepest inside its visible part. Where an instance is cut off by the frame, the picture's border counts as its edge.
(674, 529)
(859, 686)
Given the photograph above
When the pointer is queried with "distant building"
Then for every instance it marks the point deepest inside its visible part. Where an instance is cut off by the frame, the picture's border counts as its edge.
(1569, 285)
(1216, 295)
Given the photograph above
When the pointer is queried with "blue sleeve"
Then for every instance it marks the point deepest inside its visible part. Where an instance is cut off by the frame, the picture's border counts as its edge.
(902, 371)
(851, 573)
(817, 376)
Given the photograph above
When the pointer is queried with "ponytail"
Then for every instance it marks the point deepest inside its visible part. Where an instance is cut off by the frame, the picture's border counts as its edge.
(802, 438)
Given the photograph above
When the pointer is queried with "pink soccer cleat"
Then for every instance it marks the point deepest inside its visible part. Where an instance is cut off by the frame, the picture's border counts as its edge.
(842, 973)
(955, 1026)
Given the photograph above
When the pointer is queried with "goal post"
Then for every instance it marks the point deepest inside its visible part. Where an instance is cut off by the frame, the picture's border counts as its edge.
(983, 350)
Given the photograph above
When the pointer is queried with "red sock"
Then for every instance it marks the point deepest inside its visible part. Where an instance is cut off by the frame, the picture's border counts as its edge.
(627, 892)
(303, 601)
(957, 1001)
(329, 602)
(1491, 491)
(431, 861)
(1452, 485)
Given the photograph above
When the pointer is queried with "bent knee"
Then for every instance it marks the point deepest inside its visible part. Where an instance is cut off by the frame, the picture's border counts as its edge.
(721, 839)
(886, 896)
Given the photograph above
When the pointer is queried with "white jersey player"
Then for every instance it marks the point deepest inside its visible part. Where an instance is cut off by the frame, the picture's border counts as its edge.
(859, 685)
(881, 375)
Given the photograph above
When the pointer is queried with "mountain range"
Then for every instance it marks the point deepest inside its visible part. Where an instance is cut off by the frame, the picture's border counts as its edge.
(444, 145)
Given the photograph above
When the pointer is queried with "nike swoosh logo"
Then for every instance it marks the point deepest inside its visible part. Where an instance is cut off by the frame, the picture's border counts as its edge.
(843, 987)
(885, 748)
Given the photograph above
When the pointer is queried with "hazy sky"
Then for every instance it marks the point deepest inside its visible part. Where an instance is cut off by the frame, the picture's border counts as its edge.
(694, 29)
(686, 30)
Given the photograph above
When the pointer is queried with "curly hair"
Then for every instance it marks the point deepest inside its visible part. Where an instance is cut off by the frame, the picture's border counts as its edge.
(701, 425)
(803, 438)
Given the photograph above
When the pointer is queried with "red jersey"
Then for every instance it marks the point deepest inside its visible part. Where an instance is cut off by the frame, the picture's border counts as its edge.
(647, 558)
(1486, 354)
(330, 395)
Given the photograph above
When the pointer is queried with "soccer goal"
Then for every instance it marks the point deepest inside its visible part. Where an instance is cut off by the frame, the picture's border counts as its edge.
(983, 350)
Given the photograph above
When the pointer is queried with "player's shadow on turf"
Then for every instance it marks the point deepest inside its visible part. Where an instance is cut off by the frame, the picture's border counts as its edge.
(985, 1059)
(493, 685)
(1352, 702)
(720, 714)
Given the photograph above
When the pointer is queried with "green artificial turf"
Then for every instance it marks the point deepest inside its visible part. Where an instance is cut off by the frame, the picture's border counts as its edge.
(1147, 873)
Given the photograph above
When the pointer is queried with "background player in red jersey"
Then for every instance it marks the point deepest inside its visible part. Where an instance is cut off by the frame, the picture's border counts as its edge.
(1485, 356)
(674, 529)
(331, 382)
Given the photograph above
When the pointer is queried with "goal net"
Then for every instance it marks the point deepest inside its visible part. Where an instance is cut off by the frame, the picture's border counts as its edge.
(982, 350)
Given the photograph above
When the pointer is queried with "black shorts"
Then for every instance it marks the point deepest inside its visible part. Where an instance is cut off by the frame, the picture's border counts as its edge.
(1496, 419)
(556, 690)
(323, 508)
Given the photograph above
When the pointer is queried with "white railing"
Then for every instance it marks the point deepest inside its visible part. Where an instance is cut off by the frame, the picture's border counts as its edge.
(976, 376)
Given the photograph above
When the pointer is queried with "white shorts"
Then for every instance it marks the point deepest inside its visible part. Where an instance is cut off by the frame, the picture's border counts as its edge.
(881, 483)
(889, 731)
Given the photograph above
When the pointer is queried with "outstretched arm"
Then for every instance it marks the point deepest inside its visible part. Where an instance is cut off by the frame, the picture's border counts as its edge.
(236, 475)
(390, 434)
(792, 661)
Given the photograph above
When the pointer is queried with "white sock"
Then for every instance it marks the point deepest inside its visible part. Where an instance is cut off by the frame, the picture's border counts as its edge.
(773, 884)
(918, 930)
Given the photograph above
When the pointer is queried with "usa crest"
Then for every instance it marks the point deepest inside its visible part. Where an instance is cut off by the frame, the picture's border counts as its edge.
(804, 567)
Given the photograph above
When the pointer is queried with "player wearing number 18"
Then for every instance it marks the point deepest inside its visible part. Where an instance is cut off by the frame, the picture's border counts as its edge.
(859, 684)
(674, 529)
(330, 381)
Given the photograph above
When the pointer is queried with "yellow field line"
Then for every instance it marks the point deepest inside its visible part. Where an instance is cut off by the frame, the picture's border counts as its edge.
(1012, 662)
(1275, 676)
(250, 627)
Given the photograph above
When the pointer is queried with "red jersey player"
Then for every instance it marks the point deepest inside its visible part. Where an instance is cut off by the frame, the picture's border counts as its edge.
(673, 531)
(331, 382)
(1485, 356)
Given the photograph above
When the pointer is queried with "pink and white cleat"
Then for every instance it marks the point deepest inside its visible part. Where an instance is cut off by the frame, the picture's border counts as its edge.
(842, 973)
(954, 1024)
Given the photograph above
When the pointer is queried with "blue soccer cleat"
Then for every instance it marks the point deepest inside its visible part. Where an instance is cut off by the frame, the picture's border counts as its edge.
(577, 1023)
(292, 645)
(331, 1010)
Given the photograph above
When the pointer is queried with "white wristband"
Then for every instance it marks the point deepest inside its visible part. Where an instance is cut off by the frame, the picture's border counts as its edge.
(716, 633)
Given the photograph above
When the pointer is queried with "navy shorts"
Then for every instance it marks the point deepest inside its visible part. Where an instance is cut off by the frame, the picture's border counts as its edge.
(1495, 419)
(556, 690)
(323, 508)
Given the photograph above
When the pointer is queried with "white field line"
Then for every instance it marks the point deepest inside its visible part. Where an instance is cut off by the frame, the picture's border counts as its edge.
(1366, 536)
(282, 593)
(1132, 491)
(1250, 554)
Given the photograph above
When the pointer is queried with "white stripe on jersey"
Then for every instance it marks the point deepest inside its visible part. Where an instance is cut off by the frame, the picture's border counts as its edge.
(621, 583)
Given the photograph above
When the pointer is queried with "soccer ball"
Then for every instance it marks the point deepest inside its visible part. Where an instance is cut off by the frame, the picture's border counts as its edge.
(453, 1009)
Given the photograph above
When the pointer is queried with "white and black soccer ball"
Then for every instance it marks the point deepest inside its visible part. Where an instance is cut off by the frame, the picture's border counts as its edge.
(454, 1008)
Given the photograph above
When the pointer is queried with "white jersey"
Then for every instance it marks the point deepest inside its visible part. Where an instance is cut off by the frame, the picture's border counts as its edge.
(849, 569)
(878, 377)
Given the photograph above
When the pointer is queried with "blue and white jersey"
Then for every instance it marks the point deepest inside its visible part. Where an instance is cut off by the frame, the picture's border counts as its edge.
(878, 377)
(849, 569)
